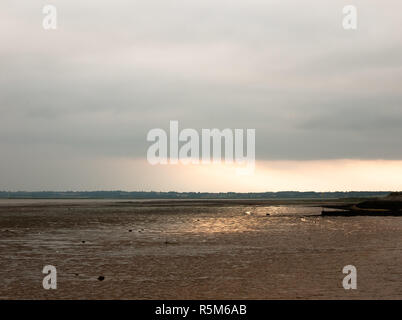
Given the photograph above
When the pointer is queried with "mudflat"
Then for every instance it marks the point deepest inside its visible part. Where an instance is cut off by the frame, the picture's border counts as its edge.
(204, 249)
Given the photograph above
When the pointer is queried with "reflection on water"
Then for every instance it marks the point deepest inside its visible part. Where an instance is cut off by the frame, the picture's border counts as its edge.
(234, 219)
(257, 252)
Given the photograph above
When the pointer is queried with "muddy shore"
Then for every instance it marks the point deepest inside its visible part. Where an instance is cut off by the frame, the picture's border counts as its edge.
(195, 250)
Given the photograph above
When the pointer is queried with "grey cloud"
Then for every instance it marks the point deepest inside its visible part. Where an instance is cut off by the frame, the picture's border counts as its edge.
(115, 70)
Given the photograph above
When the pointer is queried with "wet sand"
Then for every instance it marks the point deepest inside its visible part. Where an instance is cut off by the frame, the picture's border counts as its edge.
(195, 250)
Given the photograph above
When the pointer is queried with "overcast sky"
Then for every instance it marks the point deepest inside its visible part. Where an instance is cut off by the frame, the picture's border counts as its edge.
(76, 103)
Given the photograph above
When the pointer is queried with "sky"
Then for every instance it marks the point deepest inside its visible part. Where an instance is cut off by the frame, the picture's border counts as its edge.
(76, 103)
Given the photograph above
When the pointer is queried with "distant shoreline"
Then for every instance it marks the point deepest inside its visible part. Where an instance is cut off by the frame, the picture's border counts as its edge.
(140, 195)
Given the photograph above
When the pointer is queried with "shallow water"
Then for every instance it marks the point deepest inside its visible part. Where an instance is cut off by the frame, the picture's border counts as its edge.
(192, 252)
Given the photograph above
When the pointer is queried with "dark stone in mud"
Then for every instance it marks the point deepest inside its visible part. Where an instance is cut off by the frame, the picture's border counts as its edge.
(101, 278)
(169, 242)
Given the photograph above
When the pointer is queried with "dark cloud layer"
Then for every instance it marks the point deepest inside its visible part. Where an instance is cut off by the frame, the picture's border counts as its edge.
(114, 70)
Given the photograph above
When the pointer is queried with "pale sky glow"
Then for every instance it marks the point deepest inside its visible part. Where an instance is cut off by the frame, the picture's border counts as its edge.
(77, 103)
(128, 174)
(342, 175)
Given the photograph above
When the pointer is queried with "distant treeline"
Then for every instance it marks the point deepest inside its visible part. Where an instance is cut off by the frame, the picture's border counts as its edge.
(186, 195)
